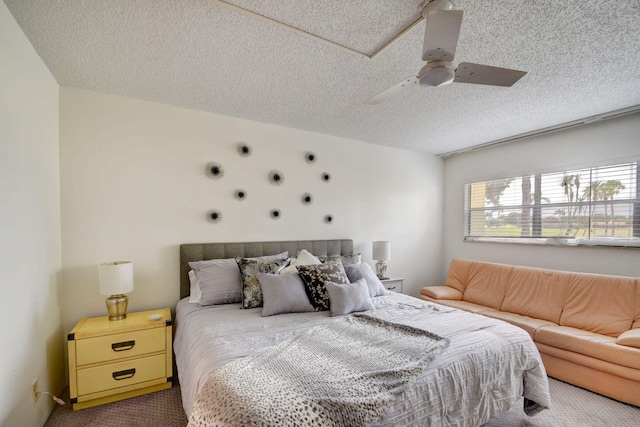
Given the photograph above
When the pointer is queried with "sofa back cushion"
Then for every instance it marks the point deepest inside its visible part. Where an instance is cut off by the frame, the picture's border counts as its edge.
(458, 275)
(537, 293)
(600, 304)
(487, 284)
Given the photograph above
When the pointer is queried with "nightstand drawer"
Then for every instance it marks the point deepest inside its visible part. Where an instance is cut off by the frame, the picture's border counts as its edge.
(393, 284)
(121, 374)
(119, 346)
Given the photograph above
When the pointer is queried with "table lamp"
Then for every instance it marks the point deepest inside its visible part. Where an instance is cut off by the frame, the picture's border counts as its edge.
(116, 279)
(382, 253)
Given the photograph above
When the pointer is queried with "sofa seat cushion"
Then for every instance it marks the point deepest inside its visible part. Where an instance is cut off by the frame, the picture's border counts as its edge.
(536, 293)
(598, 346)
(631, 338)
(580, 360)
(527, 323)
(601, 304)
(464, 305)
(441, 292)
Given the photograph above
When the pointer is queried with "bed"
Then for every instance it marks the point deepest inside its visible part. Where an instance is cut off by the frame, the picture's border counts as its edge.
(481, 368)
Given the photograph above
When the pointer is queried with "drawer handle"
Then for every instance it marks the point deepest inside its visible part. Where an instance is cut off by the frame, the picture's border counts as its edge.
(123, 375)
(123, 346)
(390, 288)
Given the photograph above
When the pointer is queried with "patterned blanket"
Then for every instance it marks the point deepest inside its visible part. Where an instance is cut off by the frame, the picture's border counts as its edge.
(344, 373)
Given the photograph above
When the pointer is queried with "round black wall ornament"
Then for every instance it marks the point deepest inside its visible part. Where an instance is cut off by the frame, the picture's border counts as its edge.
(310, 157)
(214, 216)
(275, 213)
(326, 176)
(307, 199)
(244, 149)
(276, 177)
(328, 219)
(240, 194)
(214, 170)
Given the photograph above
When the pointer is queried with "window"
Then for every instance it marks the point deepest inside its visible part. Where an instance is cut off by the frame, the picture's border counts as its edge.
(586, 206)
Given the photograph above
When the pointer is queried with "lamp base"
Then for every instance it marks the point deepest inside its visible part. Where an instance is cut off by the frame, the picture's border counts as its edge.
(381, 270)
(117, 306)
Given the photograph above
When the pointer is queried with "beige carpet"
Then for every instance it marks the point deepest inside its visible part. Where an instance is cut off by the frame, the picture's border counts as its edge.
(572, 406)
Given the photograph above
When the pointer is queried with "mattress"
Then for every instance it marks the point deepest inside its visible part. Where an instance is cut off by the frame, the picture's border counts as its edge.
(486, 369)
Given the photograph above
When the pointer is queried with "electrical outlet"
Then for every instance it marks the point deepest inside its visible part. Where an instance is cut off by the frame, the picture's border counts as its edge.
(35, 393)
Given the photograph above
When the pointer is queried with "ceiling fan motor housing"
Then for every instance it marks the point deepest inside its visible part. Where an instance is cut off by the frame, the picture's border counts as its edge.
(431, 5)
(436, 73)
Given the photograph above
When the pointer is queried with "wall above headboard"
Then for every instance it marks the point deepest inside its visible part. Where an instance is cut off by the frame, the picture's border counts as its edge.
(134, 187)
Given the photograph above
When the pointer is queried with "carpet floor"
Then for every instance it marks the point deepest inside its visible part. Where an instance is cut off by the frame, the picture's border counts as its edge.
(572, 406)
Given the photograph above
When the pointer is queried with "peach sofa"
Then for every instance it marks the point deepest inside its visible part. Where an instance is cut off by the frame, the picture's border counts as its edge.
(586, 326)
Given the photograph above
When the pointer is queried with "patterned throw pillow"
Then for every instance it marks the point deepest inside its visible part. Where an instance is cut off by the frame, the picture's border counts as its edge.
(249, 269)
(314, 277)
(346, 259)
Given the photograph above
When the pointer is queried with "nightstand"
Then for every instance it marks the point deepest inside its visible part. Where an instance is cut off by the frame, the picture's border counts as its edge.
(119, 359)
(393, 284)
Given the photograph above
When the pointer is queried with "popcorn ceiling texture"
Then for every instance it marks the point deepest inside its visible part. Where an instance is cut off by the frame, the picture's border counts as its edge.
(582, 58)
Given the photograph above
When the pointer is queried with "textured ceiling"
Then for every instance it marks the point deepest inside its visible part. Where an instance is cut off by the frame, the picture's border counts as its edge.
(582, 58)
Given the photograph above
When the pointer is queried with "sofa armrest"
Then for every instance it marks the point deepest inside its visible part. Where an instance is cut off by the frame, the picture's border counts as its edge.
(441, 292)
(630, 338)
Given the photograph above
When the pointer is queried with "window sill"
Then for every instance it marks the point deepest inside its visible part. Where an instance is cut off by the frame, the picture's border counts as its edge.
(633, 243)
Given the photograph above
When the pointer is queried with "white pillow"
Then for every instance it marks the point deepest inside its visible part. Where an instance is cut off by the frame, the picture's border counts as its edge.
(304, 258)
(348, 298)
(364, 271)
(194, 293)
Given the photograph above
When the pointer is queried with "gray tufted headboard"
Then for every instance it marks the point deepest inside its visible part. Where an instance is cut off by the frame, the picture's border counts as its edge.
(204, 251)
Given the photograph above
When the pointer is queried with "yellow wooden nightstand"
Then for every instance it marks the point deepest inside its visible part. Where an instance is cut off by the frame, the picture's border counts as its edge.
(115, 360)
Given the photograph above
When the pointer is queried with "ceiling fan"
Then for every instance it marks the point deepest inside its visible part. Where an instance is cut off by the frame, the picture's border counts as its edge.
(440, 42)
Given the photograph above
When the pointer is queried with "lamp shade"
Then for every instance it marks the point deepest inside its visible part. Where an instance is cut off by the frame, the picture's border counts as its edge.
(116, 277)
(382, 250)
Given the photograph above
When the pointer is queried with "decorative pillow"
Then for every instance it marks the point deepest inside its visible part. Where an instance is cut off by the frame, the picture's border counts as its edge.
(630, 338)
(346, 259)
(349, 298)
(249, 268)
(314, 277)
(194, 290)
(218, 280)
(283, 293)
(304, 258)
(364, 271)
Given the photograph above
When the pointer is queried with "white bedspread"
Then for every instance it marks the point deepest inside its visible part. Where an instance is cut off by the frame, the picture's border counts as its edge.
(488, 366)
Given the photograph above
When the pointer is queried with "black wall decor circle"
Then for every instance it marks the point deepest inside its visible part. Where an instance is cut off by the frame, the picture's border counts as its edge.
(214, 216)
(244, 149)
(275, 213)
(310, 157)
(328, 219)
(214, 170)
(276, 177)
(240, 194)
(307, 198)
(326, 176)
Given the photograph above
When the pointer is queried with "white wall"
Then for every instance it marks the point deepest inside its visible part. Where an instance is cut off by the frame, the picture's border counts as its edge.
(607, 140)
(134, 188)
(30, 256)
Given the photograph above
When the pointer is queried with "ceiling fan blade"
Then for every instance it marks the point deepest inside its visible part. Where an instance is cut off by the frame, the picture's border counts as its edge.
(441, 35)
(392, 91)
(486, 75)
